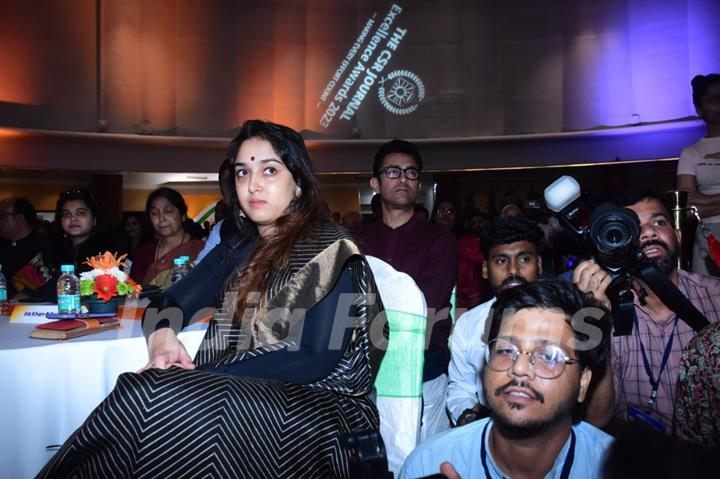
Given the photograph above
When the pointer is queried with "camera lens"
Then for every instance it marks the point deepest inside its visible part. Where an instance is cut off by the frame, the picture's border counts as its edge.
(614, 236)
(614, 232)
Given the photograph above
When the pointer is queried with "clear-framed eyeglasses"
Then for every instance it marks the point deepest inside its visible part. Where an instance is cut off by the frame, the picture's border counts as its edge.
(394, 172)
(548, 361)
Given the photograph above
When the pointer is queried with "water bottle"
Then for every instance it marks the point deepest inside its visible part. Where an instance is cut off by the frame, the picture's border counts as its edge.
(179, 269)
(68, 291)
(188, 264)
(4, 306)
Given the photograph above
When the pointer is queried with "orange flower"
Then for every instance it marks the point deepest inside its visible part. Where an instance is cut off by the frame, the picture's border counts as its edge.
(106, 260)
(134, 285)
(105, 287)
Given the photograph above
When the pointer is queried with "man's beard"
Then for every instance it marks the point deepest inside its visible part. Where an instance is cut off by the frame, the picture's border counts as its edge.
(511, 281)
(529, 427)
(666, 263)
(402, 203)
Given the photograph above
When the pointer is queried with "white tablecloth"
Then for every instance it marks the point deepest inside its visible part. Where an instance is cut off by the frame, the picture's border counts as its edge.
(48, 388)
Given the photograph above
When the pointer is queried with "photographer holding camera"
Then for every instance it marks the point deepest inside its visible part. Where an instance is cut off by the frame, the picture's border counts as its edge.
(644, 365)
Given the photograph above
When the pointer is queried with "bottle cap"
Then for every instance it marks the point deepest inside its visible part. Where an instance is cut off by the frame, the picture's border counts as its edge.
(67, 268)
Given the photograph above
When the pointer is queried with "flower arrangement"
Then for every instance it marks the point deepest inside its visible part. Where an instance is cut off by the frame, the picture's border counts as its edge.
(106, 279)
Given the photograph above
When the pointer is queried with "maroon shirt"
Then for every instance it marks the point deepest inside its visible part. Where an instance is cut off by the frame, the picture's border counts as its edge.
(428, 254)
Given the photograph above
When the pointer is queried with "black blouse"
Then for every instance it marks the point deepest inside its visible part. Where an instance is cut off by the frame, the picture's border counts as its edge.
(310, 361)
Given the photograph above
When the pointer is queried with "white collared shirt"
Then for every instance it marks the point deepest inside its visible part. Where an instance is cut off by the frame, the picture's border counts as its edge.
(467, 350)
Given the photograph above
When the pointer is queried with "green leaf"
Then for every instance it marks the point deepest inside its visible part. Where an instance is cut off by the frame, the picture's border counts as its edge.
(124, 289)
(86, 287)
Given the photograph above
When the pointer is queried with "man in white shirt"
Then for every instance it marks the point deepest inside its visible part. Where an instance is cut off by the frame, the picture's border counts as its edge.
(511, 258)
(540, 364)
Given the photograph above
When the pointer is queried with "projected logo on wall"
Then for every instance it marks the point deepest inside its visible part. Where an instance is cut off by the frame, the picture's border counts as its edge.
(404, 94)
(400, 92)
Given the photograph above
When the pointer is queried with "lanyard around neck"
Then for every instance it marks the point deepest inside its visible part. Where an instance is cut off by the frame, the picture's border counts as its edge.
(567, 465)
(655, 383)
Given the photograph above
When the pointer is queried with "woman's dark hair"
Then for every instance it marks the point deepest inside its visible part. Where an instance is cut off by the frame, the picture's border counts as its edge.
(145, 228)
(75, 194)
(509, 230)
(700, 85)
(396, 146)
(140, 216)
(272, 253)
(226, 180)
(169, 194)
(588, 319)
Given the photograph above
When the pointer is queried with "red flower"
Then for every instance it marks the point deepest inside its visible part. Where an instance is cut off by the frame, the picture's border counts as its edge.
(105, 287)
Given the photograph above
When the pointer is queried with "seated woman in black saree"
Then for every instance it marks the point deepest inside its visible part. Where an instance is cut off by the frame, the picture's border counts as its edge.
(287, 366)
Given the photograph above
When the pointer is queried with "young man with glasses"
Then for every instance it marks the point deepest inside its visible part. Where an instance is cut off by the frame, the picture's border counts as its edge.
(422, 250)
(546, 340)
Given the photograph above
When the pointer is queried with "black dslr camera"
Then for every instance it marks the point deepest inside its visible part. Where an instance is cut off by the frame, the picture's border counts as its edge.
(614, 235)
(612, 232)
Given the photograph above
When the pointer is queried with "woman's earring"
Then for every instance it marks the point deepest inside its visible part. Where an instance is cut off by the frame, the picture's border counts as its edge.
(298, 192)
(293, 206)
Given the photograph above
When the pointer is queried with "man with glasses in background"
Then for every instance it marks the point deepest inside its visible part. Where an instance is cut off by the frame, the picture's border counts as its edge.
(422, 250)
(20, 245)
(545, 343)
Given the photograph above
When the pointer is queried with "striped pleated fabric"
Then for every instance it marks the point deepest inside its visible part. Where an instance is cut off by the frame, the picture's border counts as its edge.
(196, 424)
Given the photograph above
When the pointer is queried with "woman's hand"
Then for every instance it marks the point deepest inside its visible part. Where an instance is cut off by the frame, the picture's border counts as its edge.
(165, 350)
(707, 205)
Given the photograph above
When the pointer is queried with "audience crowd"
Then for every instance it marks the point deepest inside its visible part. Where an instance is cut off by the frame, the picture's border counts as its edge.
(528, 376)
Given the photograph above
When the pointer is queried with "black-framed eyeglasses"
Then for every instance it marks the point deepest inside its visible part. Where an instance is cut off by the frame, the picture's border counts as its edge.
(445, 211)
(393, 172)
(548, 361)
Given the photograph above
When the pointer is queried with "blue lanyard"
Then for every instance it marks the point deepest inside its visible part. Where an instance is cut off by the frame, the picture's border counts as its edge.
(655, 383)
(567, 465)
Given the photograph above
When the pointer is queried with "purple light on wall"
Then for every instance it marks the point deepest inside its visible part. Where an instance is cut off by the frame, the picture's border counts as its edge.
(703, 39)
(658, 44)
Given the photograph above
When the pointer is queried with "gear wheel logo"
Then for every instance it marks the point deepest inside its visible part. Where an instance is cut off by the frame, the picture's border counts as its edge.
(401, 92)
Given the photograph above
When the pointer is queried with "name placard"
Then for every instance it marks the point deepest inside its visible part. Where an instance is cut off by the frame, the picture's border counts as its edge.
(32, 313)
